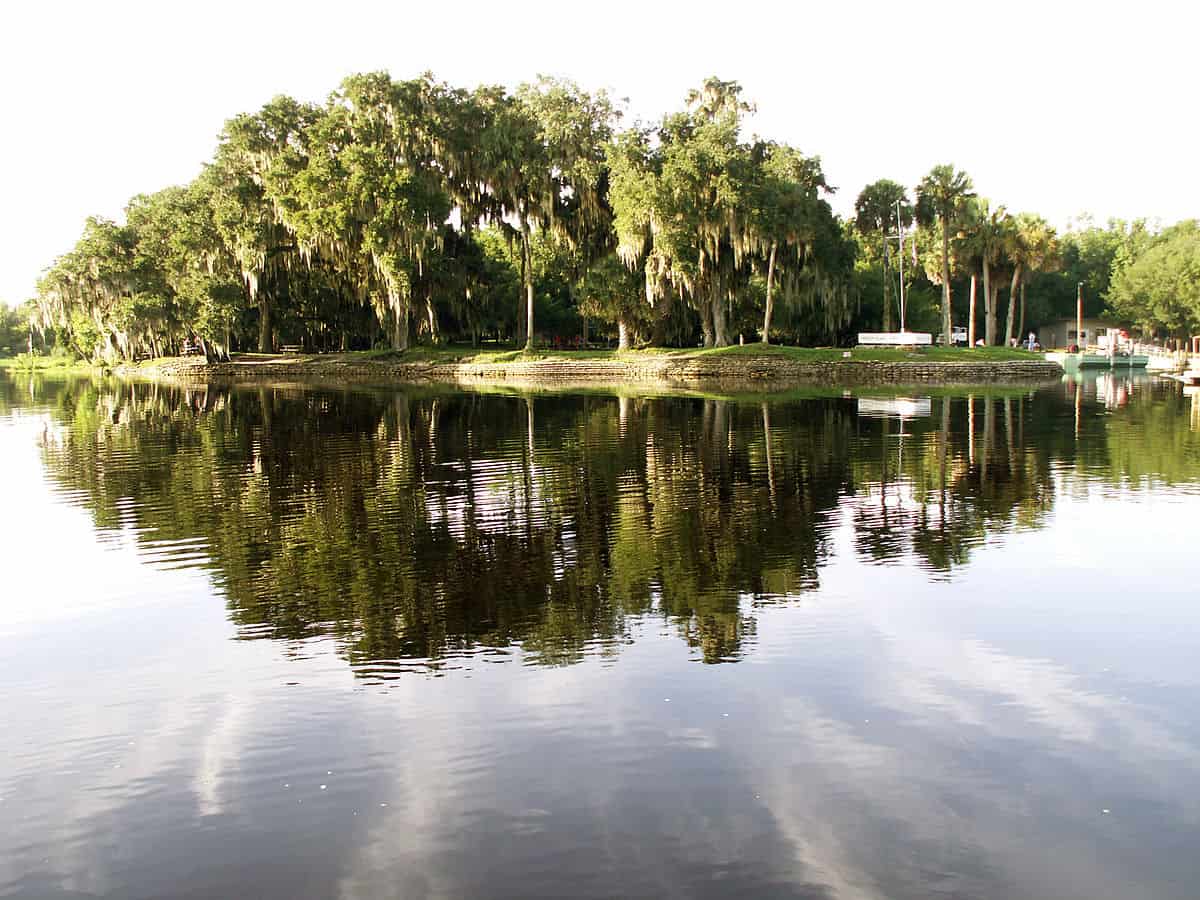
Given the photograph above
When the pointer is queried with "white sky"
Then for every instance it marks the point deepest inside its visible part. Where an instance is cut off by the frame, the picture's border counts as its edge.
(1055, 107)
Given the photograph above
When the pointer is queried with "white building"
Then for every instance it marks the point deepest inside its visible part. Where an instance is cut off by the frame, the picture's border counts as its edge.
(1060, 334)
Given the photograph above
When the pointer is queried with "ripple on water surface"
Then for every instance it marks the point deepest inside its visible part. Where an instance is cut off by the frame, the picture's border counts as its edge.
(438, 643)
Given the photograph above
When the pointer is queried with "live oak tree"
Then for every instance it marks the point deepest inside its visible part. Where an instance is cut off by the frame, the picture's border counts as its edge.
(243, 210)
(573, 129)
(90, 290)
(676, 202)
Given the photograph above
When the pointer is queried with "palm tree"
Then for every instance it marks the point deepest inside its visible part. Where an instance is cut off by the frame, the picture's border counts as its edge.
(1017, 249)
(1032, 247)
(967, 257)
(881, 207)
(786, 214)
(991, 238)
(940, 198)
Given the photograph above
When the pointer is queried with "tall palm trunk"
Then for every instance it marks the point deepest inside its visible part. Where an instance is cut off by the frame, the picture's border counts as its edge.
(971, 318)
(947, 337)
(766, 331)
(1012, 306)
(1021, 327)
(995, 313)
(989, 318)
(528, 267)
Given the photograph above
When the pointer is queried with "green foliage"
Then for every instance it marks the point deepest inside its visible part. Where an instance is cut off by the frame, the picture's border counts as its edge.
(701, 213)
(413, 211)
(15, 329)
(942, 196)
(615, 294)
(1157, 285)
(1086, 255)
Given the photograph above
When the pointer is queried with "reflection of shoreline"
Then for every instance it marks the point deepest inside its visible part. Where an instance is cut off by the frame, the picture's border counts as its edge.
(416, 524)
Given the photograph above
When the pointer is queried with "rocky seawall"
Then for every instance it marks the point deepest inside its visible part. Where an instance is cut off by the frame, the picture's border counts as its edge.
(678, 370)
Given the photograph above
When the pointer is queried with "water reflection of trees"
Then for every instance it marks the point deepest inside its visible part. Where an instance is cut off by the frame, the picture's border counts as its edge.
(936, 487)
(420, 525)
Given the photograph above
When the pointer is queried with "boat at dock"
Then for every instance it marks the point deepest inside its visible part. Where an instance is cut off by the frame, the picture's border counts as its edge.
(1191, 377)
(1092, 360)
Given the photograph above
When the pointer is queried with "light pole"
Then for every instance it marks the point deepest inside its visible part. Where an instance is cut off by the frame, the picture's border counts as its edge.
(900, 236)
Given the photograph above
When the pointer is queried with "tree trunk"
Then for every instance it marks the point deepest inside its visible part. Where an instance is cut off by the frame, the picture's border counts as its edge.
(947, 337)
(1021, 328)
(1011, 322)
(658, 334)
(720, 336)
(766, 334)
(431, 317)
(995, 313)
(971, 318)
(989, 318)
(266, 341)
(622, 334)
(528, 288)
(400, 330)
(706, 323)
(585, 333)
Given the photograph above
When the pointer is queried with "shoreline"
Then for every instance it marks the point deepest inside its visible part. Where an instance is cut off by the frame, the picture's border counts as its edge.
(754, 369)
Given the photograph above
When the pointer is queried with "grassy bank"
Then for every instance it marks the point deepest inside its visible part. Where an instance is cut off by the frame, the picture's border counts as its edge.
(494, 356)
(46, 364)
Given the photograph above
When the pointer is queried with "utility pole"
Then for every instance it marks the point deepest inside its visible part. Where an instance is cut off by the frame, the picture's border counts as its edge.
(1079, 318)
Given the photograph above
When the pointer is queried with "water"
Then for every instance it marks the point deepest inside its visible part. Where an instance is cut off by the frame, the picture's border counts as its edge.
(282, 642)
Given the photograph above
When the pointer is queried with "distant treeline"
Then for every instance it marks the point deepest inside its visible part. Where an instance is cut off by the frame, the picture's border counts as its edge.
(416, 211)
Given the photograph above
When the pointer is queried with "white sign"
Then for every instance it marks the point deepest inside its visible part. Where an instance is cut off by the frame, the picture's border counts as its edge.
(896, 338)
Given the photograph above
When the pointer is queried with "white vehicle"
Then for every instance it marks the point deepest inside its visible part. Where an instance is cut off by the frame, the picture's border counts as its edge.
(958, 335)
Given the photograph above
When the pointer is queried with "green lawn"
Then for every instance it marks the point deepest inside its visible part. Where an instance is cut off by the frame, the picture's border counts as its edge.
(25, 363)
(800, 354)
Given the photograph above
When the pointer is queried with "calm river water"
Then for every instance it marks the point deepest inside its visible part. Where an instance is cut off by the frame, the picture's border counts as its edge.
(285, 642)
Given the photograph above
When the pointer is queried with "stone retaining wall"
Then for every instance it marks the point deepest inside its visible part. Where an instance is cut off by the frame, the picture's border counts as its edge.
(742, 371)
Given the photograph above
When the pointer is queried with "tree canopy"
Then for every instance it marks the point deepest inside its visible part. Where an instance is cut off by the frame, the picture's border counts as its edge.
(402, 211)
